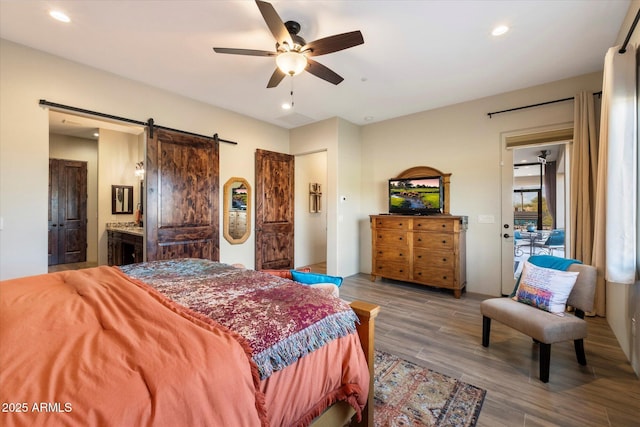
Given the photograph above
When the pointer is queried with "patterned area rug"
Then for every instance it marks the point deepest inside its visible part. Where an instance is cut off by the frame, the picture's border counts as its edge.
(409, 395)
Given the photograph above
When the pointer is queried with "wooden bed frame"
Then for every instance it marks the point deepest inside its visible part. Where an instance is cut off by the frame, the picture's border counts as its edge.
(341, 413)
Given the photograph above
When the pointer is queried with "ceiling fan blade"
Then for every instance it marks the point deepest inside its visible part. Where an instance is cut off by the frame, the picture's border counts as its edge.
(323, 72)
(276, 78)
(333, 43)
(250, 52)
(274, 23)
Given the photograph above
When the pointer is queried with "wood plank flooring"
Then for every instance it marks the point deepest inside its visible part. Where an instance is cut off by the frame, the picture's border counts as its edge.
(432, 328)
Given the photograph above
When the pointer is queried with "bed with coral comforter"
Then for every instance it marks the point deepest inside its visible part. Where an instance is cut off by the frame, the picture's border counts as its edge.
(187, 342)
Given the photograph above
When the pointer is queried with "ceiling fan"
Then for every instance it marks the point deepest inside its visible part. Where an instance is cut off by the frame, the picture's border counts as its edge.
(293, 52)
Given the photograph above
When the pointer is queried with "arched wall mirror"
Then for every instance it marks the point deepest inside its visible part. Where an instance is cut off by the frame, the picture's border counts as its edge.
(236, 208)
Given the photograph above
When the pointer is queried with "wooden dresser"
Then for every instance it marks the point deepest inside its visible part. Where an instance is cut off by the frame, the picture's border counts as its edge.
(428, 250)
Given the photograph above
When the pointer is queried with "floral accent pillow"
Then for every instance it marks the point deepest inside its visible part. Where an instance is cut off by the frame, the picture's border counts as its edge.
(545, 288)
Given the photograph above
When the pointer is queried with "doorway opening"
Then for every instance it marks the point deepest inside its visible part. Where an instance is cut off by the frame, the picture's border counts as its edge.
(539, 202)
(535, 197)
(106, 147)
(311, 211)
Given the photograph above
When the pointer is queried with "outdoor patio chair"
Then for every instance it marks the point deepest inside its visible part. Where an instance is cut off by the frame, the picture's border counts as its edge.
(555, 241)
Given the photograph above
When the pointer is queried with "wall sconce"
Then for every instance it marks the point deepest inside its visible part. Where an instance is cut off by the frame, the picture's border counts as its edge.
(140, 170)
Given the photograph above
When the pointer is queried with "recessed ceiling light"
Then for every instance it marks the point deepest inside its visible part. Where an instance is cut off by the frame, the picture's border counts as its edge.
(96, 134)
(59, 16)
(499, 30)
(286, 106)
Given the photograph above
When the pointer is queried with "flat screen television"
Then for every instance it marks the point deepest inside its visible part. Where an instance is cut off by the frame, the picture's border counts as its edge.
(416, 196)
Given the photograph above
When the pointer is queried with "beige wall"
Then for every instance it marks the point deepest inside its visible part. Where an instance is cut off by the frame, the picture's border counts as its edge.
(117, 158)
(349, 197)
(27, 75)
(322, 136)
(463, 140)
(341, 141)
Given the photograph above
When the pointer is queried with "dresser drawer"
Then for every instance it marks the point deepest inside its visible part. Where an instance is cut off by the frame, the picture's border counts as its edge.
(393, 223)
(434, 276)
(391, 238)
(430, 258)
(392, 270)
(391, 253)
(434, 224)
(436, 241)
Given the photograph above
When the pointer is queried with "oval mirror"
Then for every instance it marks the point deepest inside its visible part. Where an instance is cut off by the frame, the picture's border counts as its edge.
(236, 208)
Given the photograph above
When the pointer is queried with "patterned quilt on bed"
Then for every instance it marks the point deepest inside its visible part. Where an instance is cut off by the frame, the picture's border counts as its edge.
(281, 320)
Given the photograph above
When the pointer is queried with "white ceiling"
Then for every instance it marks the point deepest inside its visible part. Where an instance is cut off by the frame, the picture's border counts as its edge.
(417, 55)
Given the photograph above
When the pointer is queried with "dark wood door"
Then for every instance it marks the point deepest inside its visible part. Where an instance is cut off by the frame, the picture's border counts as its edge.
(67, 219)
(274, 210)
(182, 196)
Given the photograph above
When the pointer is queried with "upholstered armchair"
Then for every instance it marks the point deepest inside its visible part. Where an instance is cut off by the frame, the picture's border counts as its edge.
(545, 327)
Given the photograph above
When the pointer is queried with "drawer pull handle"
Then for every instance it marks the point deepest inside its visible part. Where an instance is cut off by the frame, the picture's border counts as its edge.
(400, 254)
(419, 256)
(419, 274)
(444, 277)
(419, 239)
(401, 271)
(444, 241)
(444, 225)
(400, 238)
(444, 260)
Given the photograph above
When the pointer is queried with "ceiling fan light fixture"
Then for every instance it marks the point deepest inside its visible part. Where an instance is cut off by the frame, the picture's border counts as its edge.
(291, 63)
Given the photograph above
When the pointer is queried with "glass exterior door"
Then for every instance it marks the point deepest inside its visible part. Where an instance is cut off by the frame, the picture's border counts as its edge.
(527, 209)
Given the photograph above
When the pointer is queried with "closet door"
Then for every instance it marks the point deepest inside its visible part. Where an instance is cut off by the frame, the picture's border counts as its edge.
(182, 218)
(274, 210)
(67, 211)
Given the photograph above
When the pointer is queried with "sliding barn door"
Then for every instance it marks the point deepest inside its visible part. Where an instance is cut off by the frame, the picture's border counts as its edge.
(274, 210)
(182, 196)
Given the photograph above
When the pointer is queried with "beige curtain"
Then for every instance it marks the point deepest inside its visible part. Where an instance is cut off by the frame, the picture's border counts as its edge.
(584, 170)
(614, 244)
